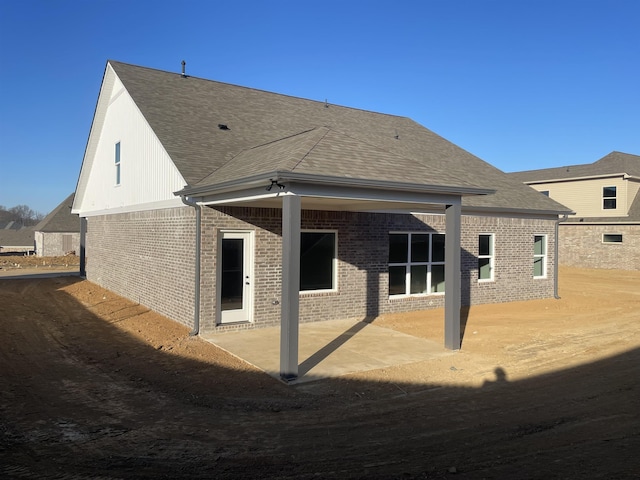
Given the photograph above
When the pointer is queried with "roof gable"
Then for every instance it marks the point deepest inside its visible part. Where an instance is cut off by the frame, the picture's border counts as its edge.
(60, 219)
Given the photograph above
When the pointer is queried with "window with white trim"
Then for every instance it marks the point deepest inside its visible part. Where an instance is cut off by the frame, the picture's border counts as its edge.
(117, 163)
(318, 260)
(485, 257)
(539, 256)
(416, 263)
(609, 198)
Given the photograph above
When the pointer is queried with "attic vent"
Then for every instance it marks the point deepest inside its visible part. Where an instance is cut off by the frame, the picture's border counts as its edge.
(222, 126)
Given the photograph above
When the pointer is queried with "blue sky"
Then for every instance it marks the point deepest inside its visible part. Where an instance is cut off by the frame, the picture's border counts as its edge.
(522, 84)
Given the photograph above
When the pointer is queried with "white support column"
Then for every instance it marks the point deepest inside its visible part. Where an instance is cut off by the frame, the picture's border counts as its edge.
(452, 278)
(290, 304)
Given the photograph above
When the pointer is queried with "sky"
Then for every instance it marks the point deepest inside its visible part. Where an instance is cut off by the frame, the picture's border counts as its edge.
(522, 84)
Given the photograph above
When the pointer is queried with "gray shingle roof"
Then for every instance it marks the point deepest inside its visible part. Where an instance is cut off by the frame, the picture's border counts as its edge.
(614, 162)
(60, 219)
(23, 237)
(263, 130)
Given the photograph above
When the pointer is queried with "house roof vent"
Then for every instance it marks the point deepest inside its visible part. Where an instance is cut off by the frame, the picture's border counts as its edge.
(184, 64)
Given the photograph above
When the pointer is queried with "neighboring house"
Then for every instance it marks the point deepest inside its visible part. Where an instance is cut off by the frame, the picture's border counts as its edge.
(15, 238)
(58, 233)
(227, 208)
(604, 231)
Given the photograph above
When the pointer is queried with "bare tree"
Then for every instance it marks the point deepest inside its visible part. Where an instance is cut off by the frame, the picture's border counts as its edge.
(21, 214)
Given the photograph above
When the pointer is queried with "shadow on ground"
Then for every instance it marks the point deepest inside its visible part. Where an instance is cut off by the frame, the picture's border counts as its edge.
(83, 398)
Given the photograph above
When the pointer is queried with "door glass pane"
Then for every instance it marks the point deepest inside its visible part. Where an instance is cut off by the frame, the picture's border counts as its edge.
(317, 254)
(419, 248)
(437, 278)
(397, 280)
(232, 273)
(438, 248)
(398, 248)
(419, 279)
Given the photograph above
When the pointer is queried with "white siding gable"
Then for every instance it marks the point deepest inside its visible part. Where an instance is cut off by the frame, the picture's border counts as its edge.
(148, 177)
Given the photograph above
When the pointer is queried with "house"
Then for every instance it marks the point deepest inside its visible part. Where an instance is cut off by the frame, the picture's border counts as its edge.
(604, 230)
(15, 238)
(59, 232)
(226, 208)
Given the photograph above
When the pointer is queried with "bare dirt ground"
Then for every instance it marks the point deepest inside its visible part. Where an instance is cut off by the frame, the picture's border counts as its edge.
(95, 387)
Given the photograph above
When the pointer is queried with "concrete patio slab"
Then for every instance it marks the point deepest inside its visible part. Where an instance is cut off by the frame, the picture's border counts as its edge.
(329, 349)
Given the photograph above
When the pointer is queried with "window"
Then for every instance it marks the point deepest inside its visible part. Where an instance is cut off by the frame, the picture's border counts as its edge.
(317, 260)
(611, 238)
(416, 263)
(545, 192)
(117, 157)
(609, 198)
(539, 256)
(485, 257)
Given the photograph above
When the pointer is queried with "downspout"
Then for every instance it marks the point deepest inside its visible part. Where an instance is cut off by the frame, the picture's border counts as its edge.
(196, 289)
(557, 255)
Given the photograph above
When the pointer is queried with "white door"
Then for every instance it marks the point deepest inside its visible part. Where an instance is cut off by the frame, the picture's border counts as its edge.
(235, 292)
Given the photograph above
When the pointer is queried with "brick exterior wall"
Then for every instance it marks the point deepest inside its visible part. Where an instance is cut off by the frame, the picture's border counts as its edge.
(581, 246)
(52, 244)
(148, 257)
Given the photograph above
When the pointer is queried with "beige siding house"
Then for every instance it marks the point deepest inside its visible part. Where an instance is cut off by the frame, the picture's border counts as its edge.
(229, 208)
(604, 230)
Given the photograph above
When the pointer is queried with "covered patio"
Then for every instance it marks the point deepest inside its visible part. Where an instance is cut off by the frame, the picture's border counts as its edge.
(292, 192)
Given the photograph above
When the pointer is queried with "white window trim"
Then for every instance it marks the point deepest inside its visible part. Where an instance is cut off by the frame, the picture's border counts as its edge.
(543, 256)
(491, 257)
(334, 280)
(610, 198)
(613, 243)
(408, 265)
(118, 162)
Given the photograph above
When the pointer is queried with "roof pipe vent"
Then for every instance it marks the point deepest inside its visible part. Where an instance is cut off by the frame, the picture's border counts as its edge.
(184, 64)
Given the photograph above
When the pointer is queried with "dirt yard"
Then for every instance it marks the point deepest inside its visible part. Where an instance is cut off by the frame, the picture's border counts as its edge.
(95, 387)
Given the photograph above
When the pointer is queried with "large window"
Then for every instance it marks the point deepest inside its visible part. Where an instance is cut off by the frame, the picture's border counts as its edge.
(317, 260)
(416, 263)
(485, 257)
(609, 198)
(117, 158)
(539, 256)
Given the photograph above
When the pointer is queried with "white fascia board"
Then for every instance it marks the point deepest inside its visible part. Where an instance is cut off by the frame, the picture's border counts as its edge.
(372, 194)
(354, 195)
(322, 181)
(171, 203)
(511, 212)
(576, 179)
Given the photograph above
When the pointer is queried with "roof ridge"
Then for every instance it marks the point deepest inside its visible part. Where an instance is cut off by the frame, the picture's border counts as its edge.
(260, 90)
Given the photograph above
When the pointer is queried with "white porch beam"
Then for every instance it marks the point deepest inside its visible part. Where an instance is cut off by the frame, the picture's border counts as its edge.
(290, 296)
(452, 277)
